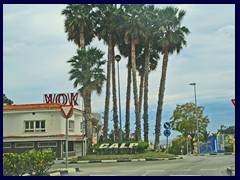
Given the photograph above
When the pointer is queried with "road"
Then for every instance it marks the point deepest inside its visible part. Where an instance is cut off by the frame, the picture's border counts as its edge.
(212, 165)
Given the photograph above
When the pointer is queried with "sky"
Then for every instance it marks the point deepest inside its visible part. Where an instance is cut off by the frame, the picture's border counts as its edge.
(36, 50)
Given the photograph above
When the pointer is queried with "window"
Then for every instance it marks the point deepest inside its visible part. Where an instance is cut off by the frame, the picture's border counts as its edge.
(81, 127)
(71, 126)
(6, 145)
(47, 144)
(70, 146)
(24, 145)
(35, 126)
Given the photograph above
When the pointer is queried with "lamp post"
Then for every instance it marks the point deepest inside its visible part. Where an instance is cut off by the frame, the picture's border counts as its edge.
(118, 58)
(194, 84)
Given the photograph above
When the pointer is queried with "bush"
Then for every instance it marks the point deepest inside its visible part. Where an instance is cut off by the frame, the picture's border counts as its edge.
(31, 162)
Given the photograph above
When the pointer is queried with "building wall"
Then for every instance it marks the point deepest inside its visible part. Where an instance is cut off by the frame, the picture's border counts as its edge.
(54, 123)
(55, 130)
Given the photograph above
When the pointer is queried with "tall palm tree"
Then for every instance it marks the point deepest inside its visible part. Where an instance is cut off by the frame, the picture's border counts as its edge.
(172, 39)
(134, 31)
(151, 56)
(147, 62)
(107, 22)
(125, 50)
(87, 73)
(79, 23)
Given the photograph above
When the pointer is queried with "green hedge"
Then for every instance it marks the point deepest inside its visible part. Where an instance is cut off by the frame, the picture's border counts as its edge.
(31, 162)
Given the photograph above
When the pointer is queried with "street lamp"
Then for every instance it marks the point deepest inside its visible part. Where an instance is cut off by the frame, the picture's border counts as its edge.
(194, 84)
(118, 58)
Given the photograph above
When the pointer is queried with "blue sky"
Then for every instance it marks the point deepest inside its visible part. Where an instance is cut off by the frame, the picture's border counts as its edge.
(35, 51)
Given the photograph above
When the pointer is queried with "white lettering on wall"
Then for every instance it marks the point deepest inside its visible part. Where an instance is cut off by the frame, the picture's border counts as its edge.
(133, 144)
(115, 145)
(102, 146)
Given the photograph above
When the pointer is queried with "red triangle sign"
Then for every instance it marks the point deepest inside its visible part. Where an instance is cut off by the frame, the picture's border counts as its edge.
(66, 109)
(233, 101)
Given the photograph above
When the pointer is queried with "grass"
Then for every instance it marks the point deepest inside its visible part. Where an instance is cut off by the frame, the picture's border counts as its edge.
(148, 154)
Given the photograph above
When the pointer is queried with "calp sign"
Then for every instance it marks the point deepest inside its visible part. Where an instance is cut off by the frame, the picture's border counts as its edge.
(61, 98)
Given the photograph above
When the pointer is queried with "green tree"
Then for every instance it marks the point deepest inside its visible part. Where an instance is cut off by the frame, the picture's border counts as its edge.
(172, 39)
(6, 100)
(204, 136)
(227, 130)
(185, 117)
(178, 146)
(88, 74)
(79, 23)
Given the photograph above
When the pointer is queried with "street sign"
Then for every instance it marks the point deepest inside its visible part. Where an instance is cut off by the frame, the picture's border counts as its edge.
(66, 110)
(166, 125)
(233, 101)
(167, 133)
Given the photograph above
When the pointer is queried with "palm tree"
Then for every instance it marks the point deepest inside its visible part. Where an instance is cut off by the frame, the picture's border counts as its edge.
(125, 50)
(146, 62)
(172, 39)
(107, 22)
(151, 56)
(79, 23)
(134, 31)
(88, 74)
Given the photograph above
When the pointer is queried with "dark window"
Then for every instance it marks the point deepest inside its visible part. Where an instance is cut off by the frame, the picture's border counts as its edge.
(70, 146)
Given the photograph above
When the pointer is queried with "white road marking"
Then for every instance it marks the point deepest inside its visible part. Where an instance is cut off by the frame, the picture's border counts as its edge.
(156, 170)
(208, 169)
(184, 175)
(103, 175)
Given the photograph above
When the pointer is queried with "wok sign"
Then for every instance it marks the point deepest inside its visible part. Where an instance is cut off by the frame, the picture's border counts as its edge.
(61, 98)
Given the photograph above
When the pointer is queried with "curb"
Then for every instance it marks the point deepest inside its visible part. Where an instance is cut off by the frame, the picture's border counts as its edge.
(63, 172)
(125, 160)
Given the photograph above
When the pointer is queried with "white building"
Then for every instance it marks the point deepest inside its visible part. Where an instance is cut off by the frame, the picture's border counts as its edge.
(41, 126)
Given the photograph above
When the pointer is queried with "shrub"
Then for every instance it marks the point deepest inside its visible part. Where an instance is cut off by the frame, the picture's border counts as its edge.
(31, 162)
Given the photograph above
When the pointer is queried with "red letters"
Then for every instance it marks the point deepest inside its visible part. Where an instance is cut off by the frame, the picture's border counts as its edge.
(62, 98)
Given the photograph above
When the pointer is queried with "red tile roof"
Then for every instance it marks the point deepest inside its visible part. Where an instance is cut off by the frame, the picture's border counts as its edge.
(33, 106)
(30, 106)
(37, 136)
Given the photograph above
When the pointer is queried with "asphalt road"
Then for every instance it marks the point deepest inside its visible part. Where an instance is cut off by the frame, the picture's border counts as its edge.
(212, 165)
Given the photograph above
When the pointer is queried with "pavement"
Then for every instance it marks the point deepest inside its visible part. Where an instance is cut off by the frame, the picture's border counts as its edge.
(63, 171)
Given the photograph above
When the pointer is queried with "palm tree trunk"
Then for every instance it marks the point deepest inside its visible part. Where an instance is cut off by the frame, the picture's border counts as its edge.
(146, 74)
(82, 38)
(115, 114)
(141, 93)
(160, 98)
(135, 92)
(128, 96)
(88, 124)
(107, 99)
